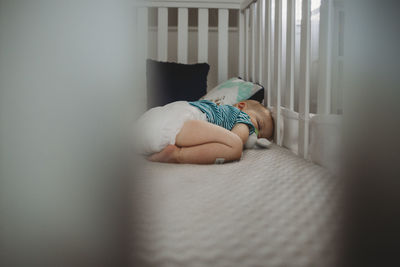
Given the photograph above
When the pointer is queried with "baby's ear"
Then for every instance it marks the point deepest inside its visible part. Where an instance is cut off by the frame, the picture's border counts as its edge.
(241, 105)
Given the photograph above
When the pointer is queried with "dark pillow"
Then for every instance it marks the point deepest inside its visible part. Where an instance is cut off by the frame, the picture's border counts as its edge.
(258, 96)
(168, 82)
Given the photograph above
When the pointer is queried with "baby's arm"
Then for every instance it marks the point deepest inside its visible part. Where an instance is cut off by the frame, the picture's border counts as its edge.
(242, 130)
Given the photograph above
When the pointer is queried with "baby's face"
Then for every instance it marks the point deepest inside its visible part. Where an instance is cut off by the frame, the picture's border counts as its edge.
(259, 116)
(262, 120)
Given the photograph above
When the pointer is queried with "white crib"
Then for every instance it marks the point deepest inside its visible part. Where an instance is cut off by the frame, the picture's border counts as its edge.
(272, 208)
(260, 46)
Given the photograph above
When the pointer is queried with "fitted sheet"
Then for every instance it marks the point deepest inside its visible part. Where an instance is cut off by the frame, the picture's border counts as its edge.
(272, 208)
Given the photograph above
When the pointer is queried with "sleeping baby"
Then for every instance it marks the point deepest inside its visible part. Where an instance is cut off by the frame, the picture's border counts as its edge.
(202, 132)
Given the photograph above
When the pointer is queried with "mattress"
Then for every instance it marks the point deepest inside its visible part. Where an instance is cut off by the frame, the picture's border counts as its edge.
(272, 208)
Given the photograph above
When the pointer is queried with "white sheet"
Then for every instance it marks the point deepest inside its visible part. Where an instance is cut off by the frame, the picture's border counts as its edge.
(269, 209)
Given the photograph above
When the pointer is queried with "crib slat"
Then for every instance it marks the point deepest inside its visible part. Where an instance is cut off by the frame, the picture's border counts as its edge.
(222, 45)
(142, 52)
(253, 41)
(203, 35)
(256, 42)
(278, 66)
(268, 54)
(260, 27)
(242, 38)
(162, 35)
(325, 58)
(182, 35)
(247, 37)
(304, 93)
(290, 50)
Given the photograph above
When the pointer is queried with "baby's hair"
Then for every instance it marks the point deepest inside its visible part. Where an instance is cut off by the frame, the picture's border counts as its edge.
(255, 105)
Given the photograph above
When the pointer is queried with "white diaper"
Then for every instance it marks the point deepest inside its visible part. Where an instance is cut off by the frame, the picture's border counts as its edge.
(159, 126)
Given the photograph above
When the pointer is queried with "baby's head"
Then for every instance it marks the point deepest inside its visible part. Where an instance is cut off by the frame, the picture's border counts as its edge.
(260, 117)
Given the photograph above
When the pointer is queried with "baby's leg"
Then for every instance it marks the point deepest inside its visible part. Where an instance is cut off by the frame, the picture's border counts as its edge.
(202, 143)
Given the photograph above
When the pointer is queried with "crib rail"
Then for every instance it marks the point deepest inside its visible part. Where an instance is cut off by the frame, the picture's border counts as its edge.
(224, 4)
(262, 58)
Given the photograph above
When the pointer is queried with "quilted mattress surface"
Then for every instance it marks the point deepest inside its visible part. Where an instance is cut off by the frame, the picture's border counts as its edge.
(272, 208)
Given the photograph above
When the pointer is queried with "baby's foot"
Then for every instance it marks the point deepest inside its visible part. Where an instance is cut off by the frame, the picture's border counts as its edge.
(168, 155)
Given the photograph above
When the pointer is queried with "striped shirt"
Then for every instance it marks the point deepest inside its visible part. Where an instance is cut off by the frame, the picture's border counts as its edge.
(223, 115)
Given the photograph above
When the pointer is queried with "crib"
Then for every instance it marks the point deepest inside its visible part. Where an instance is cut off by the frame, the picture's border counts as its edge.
(294, 49)
(301, 76)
